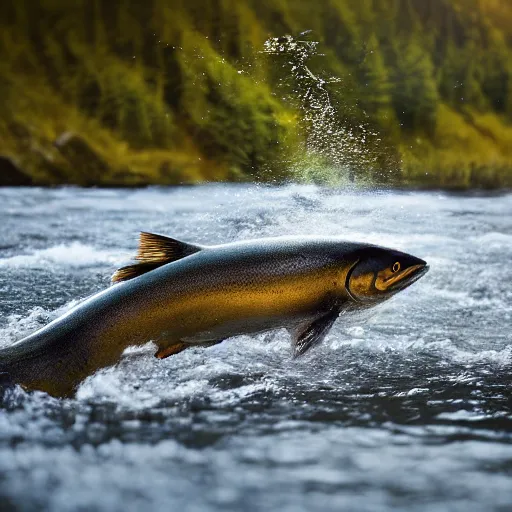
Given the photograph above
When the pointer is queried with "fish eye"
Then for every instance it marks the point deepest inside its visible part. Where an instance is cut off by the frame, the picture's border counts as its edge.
(396, 267)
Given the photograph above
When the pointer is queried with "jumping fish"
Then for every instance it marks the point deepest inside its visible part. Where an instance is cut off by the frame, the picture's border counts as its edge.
(180, 295)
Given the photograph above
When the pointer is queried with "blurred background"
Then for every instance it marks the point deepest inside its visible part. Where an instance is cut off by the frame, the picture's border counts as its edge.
(137, 92)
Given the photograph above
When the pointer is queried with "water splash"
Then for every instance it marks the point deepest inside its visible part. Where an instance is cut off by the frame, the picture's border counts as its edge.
(413, 397)
(339, 145)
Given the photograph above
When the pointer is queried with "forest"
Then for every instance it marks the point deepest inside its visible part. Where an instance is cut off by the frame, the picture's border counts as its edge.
(161, 92)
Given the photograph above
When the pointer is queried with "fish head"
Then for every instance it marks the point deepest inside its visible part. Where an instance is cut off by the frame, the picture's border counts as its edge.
(379, 273)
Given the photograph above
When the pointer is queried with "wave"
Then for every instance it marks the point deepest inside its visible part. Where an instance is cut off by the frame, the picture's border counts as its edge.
(74, 255)
(493, 240)
(19, 326)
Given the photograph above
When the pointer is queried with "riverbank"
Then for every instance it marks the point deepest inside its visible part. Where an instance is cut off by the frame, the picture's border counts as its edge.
(467, 151)
(462, 157)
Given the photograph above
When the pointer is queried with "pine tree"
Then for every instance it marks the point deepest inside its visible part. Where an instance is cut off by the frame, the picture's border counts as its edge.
(414, 89)
(374, 80)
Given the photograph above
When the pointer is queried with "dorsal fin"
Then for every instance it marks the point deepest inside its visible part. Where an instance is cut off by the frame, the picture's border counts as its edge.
(158, 248)
(154, 251)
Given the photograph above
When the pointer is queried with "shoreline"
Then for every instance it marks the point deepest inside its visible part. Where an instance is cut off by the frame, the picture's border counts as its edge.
(353, 188)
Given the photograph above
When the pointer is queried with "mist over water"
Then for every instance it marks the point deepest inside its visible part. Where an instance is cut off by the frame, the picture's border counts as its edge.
(406, 407)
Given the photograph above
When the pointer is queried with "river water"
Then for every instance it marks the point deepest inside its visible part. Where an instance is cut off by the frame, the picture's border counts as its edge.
(407, 408)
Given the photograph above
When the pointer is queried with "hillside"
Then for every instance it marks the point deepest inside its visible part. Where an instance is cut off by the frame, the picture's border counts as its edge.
(128, 93)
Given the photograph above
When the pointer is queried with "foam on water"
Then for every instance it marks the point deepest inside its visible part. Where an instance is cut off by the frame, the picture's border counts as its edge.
(18, 327)
(72, 255)
(405, 407)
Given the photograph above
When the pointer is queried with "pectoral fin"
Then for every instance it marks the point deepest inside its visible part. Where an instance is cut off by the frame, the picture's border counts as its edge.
(314, 332)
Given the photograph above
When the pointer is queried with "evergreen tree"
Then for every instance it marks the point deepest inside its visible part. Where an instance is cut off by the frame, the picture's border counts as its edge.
(374, 80)
(414, 89)
(496, 74)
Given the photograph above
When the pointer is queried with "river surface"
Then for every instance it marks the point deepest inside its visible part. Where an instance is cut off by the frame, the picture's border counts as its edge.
(406, 408)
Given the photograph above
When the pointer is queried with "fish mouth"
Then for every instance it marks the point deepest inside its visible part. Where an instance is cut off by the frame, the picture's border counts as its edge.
(407, 277)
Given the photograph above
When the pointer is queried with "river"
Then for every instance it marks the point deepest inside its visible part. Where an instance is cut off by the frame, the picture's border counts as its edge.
(405, 408)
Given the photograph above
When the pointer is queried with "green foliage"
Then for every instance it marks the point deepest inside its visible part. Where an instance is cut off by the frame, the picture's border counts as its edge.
(232, 115)
(415, 95)
(172, 91)
(374, 81)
